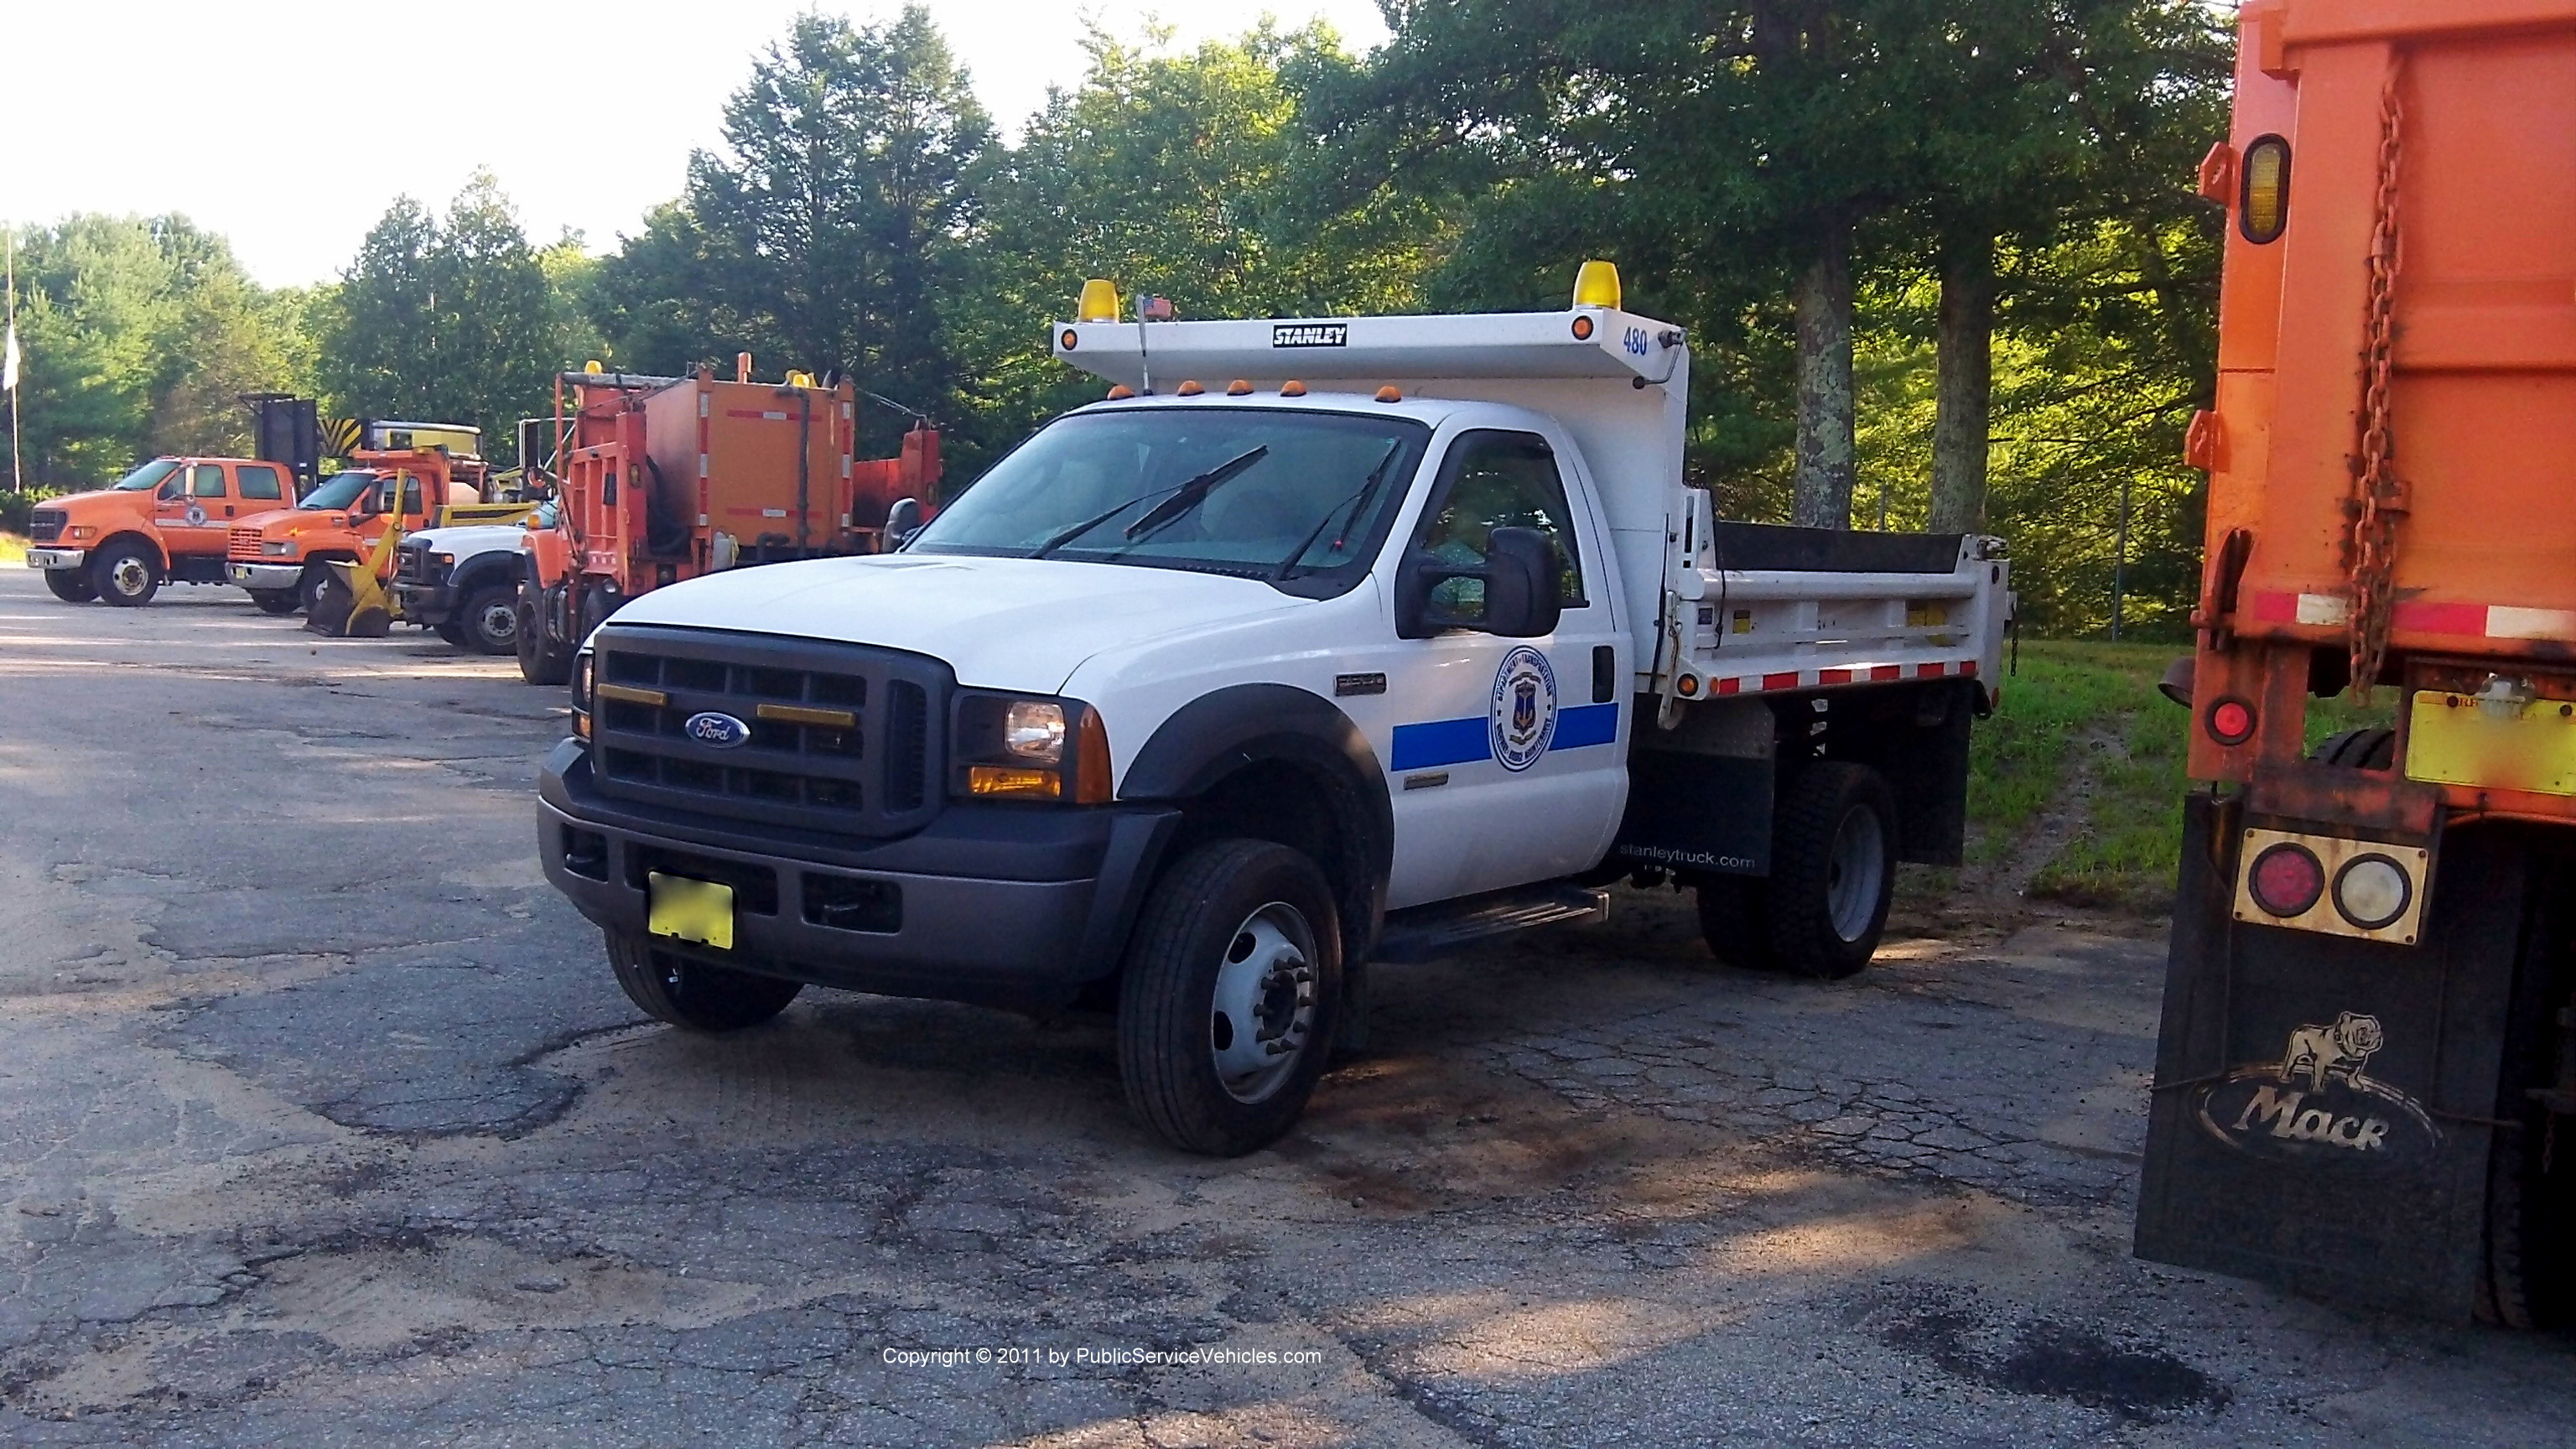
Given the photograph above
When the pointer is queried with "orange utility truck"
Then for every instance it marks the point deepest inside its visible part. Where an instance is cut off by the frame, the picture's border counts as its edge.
(165, 522)
(665, 478)
(2365, 1084)
(283, 557)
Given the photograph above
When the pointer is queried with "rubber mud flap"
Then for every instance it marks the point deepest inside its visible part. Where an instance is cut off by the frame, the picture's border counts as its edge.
(2321, 1117)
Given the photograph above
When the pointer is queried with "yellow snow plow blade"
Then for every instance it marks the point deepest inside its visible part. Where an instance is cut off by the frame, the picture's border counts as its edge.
(354, 603)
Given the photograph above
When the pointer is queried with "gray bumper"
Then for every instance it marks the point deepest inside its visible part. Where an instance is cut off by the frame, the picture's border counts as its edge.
(1048, 915)
(57, 558)
(428, 605)
(264, 576)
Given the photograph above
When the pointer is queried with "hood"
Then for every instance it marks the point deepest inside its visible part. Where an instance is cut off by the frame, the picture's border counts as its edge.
(1001, 623)
(465, 538)
(138, 501)
(288, 522)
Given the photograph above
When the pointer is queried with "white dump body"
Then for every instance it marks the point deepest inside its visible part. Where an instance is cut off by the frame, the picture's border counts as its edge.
(1620, 385)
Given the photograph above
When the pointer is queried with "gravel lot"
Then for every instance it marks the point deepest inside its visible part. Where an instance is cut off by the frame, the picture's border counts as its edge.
(321, 1121)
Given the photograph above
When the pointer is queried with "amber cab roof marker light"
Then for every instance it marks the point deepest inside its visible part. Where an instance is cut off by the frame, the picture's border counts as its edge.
(1292, 388)
(1390, 393)
(1189, 389)
(1238, 388)
(1121, 393)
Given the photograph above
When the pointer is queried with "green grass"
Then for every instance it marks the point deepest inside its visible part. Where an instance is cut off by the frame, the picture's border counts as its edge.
(13, 550)
(2102, 699)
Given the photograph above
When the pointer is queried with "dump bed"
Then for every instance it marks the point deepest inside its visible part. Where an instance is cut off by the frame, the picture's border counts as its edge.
(2448, 129)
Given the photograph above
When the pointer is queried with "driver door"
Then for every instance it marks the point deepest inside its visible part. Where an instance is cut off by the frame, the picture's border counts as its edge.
(192, 507)
(1502, 754)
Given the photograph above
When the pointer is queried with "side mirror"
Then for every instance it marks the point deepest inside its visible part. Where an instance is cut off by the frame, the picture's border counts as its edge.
(1524, 594)
(903, 519)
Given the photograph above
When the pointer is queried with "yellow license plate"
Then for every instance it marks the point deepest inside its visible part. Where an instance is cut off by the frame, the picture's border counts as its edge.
(689, 910)
(2454, 739)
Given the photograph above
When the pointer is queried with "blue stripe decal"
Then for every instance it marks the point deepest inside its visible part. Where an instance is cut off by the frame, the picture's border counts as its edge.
(1441, 742)
(1590, 724)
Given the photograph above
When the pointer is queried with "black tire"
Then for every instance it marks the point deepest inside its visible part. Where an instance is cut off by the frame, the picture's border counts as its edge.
(1245, 904)
(308, 589)
(542, 658)
(2367, 748)
(1822, 915)
(453, 631)
(488, 620)
(72, 586)
(597, 603)
(1732, 921)
(126, 573)
(697, 995)
(277, 601)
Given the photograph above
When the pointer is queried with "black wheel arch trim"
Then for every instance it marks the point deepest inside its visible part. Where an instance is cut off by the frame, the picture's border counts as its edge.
(1242, 725)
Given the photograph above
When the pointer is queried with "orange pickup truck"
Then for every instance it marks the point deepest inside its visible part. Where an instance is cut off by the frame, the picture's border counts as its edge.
(283, 557)
(165, 522)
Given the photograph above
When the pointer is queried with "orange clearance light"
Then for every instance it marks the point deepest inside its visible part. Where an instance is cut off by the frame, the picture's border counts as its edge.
(1238, 388)
(1191, 389)
(1688, 685)
(1292, 388)
(2263, 205)
(1091, 760)
(1069, 339)
(1121, 393)
(1582, 329)
(1390, 394)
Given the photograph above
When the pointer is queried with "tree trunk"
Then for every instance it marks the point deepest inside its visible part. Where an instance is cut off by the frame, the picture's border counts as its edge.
(1965, 387)
(1821, 492)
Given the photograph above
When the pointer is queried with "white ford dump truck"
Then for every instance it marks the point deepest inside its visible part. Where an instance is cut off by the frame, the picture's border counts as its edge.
(1319, 643)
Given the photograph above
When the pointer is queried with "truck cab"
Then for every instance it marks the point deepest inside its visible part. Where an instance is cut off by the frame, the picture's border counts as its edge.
(1353, 645)
(462, 580)
(165, 522)
(282, 556)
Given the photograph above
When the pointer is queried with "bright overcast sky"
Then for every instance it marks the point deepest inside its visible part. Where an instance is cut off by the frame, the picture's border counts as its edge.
(289, 126)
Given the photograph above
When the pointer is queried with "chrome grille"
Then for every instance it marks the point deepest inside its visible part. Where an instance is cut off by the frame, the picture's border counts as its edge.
(45, 525)
(839, 737)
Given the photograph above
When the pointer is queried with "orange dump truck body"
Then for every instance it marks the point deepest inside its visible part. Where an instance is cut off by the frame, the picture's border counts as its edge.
(665, 479)
(2375, 937)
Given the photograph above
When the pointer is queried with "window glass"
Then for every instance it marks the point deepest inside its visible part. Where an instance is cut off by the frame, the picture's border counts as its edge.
(209, 482)
(147, 476)
(411, 494)
(259, 481)
(340, 490)
(1498, 480)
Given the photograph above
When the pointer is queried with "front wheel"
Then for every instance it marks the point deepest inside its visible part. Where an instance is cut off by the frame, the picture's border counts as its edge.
(126, 574)
(694, 994)
(72, 586)
(1226, 1010)
(488, 621)
(308, 590)
(277, 601)
(1833, 870)
(543, 659)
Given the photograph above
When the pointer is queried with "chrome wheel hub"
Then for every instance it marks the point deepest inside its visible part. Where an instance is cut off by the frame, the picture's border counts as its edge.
(1264, 1012)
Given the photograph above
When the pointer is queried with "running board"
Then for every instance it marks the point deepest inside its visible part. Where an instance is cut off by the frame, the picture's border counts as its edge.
(1427, 933)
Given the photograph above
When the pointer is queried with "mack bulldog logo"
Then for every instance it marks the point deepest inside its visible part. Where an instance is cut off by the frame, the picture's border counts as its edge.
(1523, 721)
(2317, 1102)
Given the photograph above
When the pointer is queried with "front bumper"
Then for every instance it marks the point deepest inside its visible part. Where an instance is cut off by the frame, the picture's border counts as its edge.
(57, 558)
(428, 605)
(999, 905)
(264, 576)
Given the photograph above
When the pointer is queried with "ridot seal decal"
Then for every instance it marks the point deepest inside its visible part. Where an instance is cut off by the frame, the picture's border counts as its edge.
(722, 731)
(1522, 722)
(2318, 1103)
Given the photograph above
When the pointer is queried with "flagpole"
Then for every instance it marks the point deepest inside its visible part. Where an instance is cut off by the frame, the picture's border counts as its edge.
(17, 455)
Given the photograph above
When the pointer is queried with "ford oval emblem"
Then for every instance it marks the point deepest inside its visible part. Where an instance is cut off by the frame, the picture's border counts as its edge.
(720, 731)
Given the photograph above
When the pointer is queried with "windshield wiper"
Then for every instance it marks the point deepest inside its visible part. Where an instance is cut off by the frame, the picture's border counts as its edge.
(1085, 526)
(1192, 493)
(1357, 503)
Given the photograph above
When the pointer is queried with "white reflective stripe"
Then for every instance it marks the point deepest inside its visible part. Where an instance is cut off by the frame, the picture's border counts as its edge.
(702, 404)
(2329, 610)
(774, 417)
(2509, 623)
(702, 465)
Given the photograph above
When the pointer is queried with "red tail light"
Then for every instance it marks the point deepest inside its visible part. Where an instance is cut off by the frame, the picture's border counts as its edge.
(2287, 880)
(2231, 721)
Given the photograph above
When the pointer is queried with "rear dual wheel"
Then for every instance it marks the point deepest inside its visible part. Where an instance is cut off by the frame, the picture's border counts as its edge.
(1824, 906)
(543, 659)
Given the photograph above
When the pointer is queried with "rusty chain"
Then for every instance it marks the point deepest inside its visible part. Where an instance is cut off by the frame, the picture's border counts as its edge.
(2379, 498)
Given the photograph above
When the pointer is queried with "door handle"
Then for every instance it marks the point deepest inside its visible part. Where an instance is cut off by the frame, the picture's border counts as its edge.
(228, 510)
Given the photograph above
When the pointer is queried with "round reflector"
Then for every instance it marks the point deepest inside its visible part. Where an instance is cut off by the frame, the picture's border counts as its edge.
(2372, 891)
(2287, 880)
(2231, 721)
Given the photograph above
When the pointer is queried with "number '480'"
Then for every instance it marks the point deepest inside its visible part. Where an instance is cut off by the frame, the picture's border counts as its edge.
(1635, 341)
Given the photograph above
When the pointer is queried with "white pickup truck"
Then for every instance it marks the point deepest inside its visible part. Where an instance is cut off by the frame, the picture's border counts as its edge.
(1319, 643)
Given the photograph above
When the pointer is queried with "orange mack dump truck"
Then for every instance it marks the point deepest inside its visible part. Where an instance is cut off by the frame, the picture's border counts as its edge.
(667, 478)
(2366, 1079)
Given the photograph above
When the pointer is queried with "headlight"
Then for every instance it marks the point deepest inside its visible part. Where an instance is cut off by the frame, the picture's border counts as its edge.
(277, 547)
(1016, 749)
(1033, 730)
(581, 664)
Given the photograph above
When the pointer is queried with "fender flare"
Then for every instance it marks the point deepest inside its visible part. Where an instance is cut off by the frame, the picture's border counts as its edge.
(1222, 732)
(497, 568)
(148, 537)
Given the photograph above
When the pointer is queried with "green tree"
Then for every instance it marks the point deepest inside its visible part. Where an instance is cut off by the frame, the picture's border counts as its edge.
(449, 321)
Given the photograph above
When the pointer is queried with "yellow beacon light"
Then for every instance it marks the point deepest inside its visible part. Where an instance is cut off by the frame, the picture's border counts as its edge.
(1597, 285)
(1099, 301)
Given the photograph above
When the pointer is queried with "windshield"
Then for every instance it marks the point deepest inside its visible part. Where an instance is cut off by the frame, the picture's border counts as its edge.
(339, 490)
(1298, 498)
(147, 476)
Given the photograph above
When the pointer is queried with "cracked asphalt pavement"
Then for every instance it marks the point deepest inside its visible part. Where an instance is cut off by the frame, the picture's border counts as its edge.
(322, 1122)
